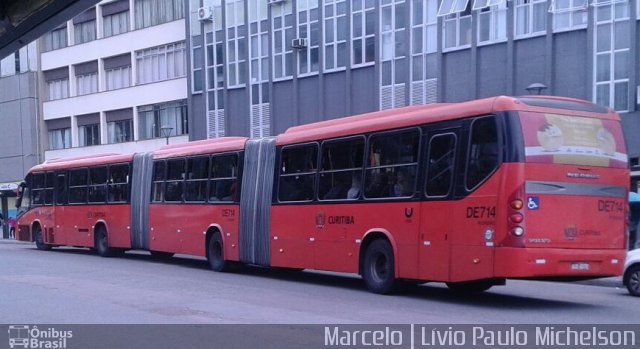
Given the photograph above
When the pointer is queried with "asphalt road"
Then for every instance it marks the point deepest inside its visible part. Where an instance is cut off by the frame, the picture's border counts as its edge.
(74, 286)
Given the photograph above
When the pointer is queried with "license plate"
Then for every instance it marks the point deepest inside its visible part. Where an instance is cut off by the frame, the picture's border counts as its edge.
(579, 266)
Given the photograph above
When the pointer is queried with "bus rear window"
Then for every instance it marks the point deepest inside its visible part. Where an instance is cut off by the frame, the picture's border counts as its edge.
(574, 140)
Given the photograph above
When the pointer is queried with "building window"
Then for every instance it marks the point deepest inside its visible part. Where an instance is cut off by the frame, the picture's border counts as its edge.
(89, 135)
(153, 117)
(569, 14)
(309, 29)
(393, 55)
(363, 31)
(492, 24)
(115, 24)
(154, 12)
(118, 78)
(60, 138)
(55, 39)
(612, 56)
(161, 63)
(236, 43)
(335, 34)
(457, 29)
(85, 32)
(86, 84)
(282, 32)
(424, 43)
(58, 89)
(120, 131)
(531, 17)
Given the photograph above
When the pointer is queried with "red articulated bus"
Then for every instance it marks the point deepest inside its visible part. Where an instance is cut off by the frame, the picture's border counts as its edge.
(470, 194)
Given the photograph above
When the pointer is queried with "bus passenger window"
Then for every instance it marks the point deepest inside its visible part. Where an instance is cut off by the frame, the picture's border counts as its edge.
(341, 169)
(442, 149)
(298, 173)
(159, 175)
(223, 183)
(483, 156)
(118, 183)
(174, 187)
(197, 176)
(392, 164)
(78, 186)
(98, 184)
(37, 189)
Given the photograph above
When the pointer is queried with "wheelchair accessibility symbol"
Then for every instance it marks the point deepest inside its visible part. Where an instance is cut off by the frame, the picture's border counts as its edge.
(533, 202)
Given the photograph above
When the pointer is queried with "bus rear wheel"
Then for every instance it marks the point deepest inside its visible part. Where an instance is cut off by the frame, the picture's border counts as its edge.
(378, 269)
(37, 236)
(470, 287)
(215, 254)
(633, 280)
(102, 243)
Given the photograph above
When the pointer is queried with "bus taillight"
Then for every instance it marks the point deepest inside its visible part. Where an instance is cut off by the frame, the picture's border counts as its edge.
(517, 204)
(517, 231)
(516, 218)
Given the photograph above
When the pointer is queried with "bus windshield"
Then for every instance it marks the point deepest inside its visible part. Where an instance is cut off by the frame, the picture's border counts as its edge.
(574, 140)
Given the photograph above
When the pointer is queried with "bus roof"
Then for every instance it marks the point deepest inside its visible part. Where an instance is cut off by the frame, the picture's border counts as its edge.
(82, 161)
(208, 146)
(422, 114)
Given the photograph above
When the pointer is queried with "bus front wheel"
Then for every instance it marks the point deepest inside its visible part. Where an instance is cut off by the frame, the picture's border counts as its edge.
(215, 254)
(37, 236)
(378, 269)
(102, 243)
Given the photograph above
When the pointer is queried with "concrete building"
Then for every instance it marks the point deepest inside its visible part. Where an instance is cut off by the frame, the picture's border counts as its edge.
(114, 79)
(19, 145)
(258, 67)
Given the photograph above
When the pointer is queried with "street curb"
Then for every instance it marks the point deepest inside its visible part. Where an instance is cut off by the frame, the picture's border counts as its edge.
(11, 241)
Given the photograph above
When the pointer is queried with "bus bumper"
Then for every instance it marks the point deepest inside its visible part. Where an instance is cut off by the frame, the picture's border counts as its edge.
(513, 262)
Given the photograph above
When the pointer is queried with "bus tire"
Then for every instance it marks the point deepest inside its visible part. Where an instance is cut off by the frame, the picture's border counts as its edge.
(470, 287)
(632, 280)
(37, 237)
(215, 254)
(378, 269)
(102, 242)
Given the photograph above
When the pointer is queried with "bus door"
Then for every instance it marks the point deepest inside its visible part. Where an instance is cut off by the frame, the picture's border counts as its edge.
(477, 187)
(46, 211)
(60, 189)
(437, 211)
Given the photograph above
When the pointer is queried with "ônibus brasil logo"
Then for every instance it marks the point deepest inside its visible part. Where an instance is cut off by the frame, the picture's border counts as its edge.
(24, 336)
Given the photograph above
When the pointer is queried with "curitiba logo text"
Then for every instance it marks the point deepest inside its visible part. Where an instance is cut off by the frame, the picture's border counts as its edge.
(24, 336)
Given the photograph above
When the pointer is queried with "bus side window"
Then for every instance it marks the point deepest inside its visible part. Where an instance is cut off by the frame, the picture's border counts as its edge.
(197, 176)
(174, 187)
(48, 191)
(392, 164)
(298, 173)
(341, 169)
(78, 186)
(224, 173)
(61, 188)
(118, 183)
(98, 184)
(37, 189)
(483, 154)
(159, 175)
(440, 162)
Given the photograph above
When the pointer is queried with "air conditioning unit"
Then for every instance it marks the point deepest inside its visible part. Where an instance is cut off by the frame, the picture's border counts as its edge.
(205, 14)
(271, 2)
(299, 43)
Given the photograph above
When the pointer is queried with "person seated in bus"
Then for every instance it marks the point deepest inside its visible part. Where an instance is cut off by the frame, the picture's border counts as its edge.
(354, 191)
(403, 185)
(379, 186)
(338, 191)
(173, 191)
